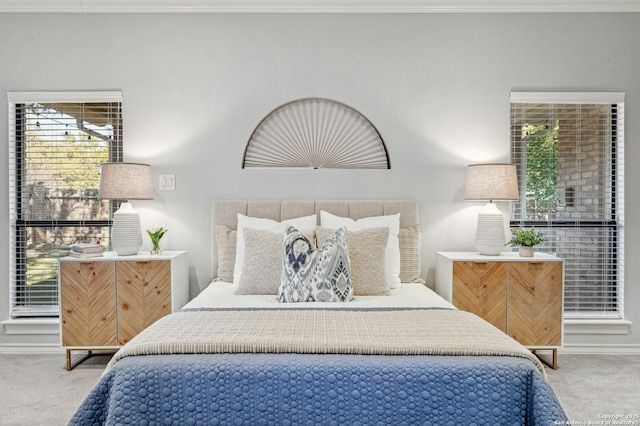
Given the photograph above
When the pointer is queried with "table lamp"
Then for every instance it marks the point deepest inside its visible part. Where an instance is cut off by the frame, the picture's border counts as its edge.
(491, 182)
(126, 181)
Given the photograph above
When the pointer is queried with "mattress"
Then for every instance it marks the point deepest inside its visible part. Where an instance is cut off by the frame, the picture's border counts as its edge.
(221, 295)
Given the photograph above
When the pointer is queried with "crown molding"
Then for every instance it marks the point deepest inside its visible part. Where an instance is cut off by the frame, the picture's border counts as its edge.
(317, 6)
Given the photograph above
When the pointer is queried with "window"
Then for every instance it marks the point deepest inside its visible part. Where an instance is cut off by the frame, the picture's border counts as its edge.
(568, 148)
(57, 143)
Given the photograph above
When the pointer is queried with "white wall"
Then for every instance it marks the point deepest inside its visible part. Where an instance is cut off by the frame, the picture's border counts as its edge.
(436, 86)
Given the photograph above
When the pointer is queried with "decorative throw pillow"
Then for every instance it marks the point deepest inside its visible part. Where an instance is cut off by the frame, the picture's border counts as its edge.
(366, 256)
(315, 275)
(410, 254)
(392, 222)
(262, 265)
(226, 247)
(306, 224)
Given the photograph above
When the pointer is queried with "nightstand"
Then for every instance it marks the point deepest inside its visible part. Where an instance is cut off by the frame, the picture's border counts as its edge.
(106, 301)
(522, 296)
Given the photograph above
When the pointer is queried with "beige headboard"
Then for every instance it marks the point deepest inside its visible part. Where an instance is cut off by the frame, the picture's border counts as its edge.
(225, 212)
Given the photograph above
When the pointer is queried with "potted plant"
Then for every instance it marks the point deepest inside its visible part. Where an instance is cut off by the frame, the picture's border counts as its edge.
(526, 239)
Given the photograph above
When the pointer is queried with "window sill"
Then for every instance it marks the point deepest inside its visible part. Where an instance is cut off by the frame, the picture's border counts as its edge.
(32, 326)
(597, 326)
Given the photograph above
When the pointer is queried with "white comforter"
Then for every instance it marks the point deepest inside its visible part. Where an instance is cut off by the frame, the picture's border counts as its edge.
(220, 295)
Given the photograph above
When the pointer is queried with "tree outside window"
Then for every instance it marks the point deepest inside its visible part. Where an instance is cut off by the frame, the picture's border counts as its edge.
(569, 156)
(56, 154)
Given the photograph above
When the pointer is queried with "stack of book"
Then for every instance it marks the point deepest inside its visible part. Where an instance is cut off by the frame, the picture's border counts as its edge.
(86, 250)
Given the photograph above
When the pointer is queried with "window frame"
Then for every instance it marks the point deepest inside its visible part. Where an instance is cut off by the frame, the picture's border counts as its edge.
(614, 220)
(18, 224)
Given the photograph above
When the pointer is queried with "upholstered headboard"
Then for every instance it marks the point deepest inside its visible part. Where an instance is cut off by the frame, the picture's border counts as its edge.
(225, 213)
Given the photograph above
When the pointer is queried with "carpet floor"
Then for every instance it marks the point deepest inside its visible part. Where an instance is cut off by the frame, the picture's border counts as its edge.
(37, 390)
(592, 387)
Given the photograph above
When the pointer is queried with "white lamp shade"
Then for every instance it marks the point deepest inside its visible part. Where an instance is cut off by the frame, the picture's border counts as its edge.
(491, 182)
(125, 181)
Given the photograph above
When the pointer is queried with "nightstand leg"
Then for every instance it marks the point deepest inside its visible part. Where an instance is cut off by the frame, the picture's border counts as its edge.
(80, 361)
(109, 352)
(554, 358)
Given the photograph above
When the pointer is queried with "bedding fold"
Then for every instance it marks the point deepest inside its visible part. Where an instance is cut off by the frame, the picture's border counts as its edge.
(316, 331)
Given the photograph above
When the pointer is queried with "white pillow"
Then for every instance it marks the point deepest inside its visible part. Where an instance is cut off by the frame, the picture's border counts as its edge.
(392, 252)
(306, 225)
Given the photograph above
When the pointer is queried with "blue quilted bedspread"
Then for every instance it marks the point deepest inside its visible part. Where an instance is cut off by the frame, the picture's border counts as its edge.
(296, 389)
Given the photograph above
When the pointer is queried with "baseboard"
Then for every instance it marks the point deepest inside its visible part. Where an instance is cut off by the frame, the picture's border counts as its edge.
(585, 349)
(33, 348)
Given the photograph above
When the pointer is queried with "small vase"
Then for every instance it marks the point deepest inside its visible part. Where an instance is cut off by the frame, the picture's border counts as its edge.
(526, 251)
(155, 249)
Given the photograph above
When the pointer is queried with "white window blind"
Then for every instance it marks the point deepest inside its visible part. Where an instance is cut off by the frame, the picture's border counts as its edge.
(57, 143)
(568, 148)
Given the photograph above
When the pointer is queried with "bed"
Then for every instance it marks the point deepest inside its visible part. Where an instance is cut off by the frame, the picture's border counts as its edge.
(250, 351)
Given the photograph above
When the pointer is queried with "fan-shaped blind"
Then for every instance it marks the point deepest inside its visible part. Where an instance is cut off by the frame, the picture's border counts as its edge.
(316, 133)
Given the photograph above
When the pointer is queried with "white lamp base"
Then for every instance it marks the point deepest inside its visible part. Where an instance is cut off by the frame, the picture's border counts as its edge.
(490, 232)
(126, 237)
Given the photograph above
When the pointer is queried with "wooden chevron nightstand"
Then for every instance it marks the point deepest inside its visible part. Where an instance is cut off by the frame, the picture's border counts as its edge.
(106, 301)
(522, 296)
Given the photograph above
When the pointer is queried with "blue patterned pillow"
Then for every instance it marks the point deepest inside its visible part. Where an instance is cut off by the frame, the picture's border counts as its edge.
(311, 274)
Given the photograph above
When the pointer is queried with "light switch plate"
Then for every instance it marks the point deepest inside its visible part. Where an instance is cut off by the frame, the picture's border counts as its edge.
(167, 182)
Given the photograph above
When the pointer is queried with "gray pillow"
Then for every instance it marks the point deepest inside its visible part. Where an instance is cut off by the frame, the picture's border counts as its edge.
(410, 254)
(226, 245)
(262, 263)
